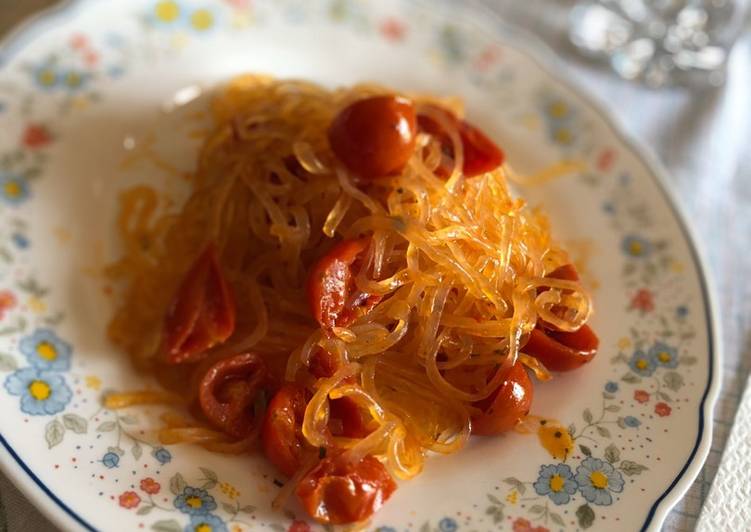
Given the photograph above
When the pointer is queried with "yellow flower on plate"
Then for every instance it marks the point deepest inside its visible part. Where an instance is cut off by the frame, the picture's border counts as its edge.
(512, 497)
(229, 490)
(36, 304)
(179, 40)
(624, 343)
(93, 382)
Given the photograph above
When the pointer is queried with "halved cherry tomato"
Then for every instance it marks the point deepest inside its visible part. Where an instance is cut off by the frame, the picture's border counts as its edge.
(202, 313)
(567, 272)
(374, 137)
(330, 286)
(480, 153)
(346, 418)
(338, 492)
(228, 391)
(282, 428)
(562, 351)
(559, 350)
(507, 405)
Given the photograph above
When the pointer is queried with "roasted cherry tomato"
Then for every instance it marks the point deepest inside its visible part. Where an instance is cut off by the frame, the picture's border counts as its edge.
(282, 428)
(346, 418)
(337, 492)
(374, 137)
(507, 405)
(202, 313)
(559, 350)
(228, 392)
(567, 272)
(480, 153)
(562, 351)
(331, 291)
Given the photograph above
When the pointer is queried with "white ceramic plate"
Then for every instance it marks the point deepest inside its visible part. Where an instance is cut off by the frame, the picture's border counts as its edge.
(82, 102)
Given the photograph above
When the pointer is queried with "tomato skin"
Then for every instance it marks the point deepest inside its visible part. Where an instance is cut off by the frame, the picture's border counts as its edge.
(337, 492)
(228, 390)
(202, 313)
(562, 351)
(374, 137)
(507, 406)
(330, 285)
(567, 272)
(281, 433)
(480, 153)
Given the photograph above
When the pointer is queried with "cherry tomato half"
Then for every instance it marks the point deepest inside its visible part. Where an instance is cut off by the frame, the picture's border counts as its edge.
(282, 428)
(228, 391)
(559, 350)
(374, 137)
(202, 313)
(507, 405)
(337, 492)
(562, 351)
(330, 287)
(480, 153)
(346, 418)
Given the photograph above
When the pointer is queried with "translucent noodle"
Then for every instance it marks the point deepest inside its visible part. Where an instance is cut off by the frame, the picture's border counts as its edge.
(459, 267)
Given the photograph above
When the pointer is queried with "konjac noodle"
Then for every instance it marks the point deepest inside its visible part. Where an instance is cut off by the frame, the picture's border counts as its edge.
(352, 282)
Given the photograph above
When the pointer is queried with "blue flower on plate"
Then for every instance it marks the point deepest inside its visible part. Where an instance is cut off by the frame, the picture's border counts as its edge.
(557, 482)
(46, 76)
(162, 455)
(611, 387)
(642, 364)
(75, 80)
(385, 529)
(447, 524)
(206, 523)
(43, 393)
(636, 246)
(110, 460)
(202, 20)
(14, 189)
(597, 479)
(45, 350)
(681, 311)
(631, 421)
(195, 501)
(20, 240)
(664, 355)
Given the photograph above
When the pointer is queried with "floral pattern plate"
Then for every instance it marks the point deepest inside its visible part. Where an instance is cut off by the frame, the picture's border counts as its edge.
(100, 95)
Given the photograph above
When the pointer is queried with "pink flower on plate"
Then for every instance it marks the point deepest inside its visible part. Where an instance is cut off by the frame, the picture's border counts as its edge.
(35, 136)
(487, 57)
(663, 409)
(393, 29)
(91, 58)
(129, 499)
(643, 300)
(150, 486)
(7, 302)
(606, 159)
(641, 396)
(523, 525)
(79, 41)
(239, 4)
(299, 526)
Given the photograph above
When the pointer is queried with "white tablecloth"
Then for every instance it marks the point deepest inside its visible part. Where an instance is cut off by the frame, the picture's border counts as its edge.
(700, 135)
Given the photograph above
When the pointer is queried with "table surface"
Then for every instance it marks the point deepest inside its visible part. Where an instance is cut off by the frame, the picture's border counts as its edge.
(700, 136)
